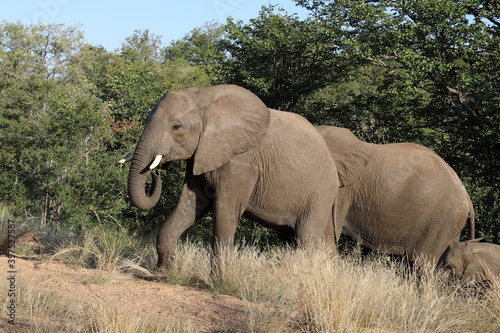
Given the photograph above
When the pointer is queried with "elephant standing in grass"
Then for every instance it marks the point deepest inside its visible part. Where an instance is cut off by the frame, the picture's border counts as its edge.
(468, 261)
(397, 198)
(242, 159)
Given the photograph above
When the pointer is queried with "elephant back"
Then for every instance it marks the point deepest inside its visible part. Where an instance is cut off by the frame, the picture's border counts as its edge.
(350, 154)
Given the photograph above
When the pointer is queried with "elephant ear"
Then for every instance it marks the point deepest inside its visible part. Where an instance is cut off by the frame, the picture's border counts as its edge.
(350, 154)
(483, 258)
(475, 266)
(235, 121)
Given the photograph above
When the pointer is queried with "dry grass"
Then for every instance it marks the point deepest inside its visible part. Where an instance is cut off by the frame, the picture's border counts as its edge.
(492, 295)
(108, 252)
(26, 236)
(47, 312)
(305, 290)
(309, 290)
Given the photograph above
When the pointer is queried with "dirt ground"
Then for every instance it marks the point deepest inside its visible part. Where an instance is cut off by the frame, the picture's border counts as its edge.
(212, 313)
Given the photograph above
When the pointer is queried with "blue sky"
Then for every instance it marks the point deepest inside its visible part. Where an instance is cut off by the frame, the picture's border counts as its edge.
(108, 23)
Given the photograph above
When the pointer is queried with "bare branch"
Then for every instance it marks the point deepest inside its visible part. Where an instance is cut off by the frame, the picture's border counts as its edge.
(381, 63)
(11, 74)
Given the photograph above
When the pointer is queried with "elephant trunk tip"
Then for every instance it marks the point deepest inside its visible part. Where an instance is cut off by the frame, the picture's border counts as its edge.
(126, 160)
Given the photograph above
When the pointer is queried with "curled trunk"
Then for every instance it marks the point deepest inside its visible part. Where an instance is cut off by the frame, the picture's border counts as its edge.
(137, 179)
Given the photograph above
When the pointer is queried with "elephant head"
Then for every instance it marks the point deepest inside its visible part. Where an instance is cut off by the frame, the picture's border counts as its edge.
(212, 125)
(467, 261)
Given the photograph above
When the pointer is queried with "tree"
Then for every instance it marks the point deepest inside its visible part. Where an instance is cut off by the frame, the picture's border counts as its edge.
(279, 57)
(199, 47)
(142, 46)
(197, 54)
(53, 127)
(68, 112)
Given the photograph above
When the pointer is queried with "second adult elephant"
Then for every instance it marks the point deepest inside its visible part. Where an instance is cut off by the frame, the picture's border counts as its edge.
(242, 159)
(399, 198)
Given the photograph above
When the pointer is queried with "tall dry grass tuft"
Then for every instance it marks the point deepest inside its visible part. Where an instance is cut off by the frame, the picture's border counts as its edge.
(247, 273)
(346, 295)
(108, 252)
(492, 295)
(191, 265)
(23, 234)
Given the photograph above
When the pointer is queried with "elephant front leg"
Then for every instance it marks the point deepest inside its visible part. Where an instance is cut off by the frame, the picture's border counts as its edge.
(232, 201)
(228, 212)
(224, 231)
(193, 204)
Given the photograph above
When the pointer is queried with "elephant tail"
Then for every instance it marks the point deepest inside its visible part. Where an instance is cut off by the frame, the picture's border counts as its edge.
(337, 223)
(472, 222)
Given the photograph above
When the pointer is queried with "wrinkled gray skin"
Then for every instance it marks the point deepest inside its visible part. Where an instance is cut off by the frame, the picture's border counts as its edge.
(466, 261)
(242, 159)
(397, 198)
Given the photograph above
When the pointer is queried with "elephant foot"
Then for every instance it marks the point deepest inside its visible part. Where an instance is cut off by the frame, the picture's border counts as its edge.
(165, 263)
(162, 269)
(162, 274)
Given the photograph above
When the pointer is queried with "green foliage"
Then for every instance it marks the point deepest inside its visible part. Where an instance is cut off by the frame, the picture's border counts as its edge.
(426, 72)
(53, 128)
(279, 57)
(199, 48)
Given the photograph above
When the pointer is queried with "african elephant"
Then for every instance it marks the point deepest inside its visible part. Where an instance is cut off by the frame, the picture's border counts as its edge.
(242, 159)
(397, 198)
(467, 261)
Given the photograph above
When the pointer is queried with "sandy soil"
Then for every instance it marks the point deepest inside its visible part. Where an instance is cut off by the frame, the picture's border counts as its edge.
(127, 295)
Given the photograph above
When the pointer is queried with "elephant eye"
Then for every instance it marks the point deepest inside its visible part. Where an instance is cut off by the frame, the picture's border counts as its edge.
(176, 127)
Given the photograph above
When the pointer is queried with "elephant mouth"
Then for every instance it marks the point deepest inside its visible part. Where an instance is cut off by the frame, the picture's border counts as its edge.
(158, 160)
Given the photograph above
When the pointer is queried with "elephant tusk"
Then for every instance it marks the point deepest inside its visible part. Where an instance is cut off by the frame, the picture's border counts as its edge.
(125, 160)
(156, 162)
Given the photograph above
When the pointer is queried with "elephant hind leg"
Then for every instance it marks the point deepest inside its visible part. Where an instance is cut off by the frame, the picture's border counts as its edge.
(317, 226)
(430, 249)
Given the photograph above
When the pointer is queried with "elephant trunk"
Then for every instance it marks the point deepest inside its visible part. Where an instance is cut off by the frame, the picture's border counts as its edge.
(138, 176)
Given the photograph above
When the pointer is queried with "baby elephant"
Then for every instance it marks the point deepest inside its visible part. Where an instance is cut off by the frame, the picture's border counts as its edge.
(467, 261)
